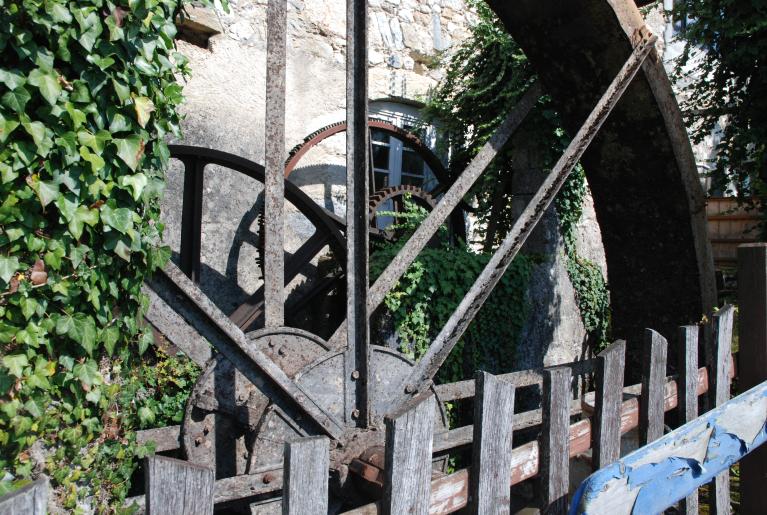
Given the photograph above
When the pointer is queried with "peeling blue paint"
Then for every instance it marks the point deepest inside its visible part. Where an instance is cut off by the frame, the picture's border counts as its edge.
(634, 485)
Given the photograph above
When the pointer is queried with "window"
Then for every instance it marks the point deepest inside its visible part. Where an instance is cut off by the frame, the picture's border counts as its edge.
(395, 163)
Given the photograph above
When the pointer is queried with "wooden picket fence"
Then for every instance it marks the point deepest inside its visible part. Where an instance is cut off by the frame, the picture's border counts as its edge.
(594, 422)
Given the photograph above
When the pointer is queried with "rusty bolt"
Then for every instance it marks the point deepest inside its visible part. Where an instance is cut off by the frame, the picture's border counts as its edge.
(281, 352)
(241, 397)
(205, 430)
(270, 343)
(197, 441)
(355, 413)
(410, 389)
(268, 478)
(356, 374)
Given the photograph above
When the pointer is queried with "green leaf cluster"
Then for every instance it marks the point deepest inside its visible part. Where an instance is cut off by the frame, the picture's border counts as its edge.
(88, 95)
(431, 289)
(486, 77)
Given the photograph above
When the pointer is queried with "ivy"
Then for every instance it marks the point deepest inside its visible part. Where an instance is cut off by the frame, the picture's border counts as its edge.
(431, 289)
(87, 97)
(486, 77)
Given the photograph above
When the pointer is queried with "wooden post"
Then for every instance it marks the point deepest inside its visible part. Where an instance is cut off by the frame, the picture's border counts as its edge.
(555, 440)
(687, 391)
(31, 499)
(651, 409)
(491, 457)
(409, 435)
(720, 393)
(607, 406)
(306, 476)
(175, 486)
(752, 361)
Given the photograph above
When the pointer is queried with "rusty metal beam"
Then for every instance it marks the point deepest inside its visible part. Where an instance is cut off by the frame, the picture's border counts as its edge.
(357, 327)
(421, 376)
(274, 150)
(178, 291)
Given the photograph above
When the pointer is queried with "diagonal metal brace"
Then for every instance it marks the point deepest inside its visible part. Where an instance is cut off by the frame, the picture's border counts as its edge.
(177, 290)
(421, 376)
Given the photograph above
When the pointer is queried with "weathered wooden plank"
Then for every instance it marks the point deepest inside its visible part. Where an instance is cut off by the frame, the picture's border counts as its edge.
(555, 441)
(306, 476)
(31, 499)
(491, 457)
(451, 492)
(653, 384)
(720, 393)
(658, 475)
(409, 434)
(465, 389)
(687, 385)
(752, 341)
(609, 398)
(164, 438)
(175, 486)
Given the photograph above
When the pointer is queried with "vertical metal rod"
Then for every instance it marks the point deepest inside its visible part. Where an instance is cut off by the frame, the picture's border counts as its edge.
(274, 150)
(191, 219)
(356, 212)
(422, 374)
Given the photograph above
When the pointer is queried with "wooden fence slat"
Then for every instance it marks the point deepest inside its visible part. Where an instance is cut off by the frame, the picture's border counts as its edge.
(687, 392)
(752, 342)
(555, 440)
(491, 458)
(175, 486)
(306, 476)
(607, 406)
(720, 393)
(653, 387)
(31, 499)
(409, 434)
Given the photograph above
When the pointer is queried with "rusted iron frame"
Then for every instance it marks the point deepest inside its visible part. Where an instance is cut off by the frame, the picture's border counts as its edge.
(274, 151)
(422, 374)
(305, 253)
(451, 199)
(356, 359)
(191, 217)
(175, 288)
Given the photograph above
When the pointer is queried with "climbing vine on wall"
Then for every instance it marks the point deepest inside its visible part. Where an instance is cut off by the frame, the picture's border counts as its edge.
(87, 96)
(431, 289)
(485, 79)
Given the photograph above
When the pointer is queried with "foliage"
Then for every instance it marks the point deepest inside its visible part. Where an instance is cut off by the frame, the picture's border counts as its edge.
(725, 47)
(87, 94)
(431, 289)
(485, 79)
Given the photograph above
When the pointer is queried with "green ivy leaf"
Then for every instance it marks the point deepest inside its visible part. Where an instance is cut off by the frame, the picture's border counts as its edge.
(120, 219)
(16, 100)
(130, 150)
(47, 83)
(145, 415)
(122, 250)
(88, 373)
(12, 78)
(7, 126)
(47, 192)
(136, 182)
(58, 12)
(8, 267)
(15, 364)
(109, 338)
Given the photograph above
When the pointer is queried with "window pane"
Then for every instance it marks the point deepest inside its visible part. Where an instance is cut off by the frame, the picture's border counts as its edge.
(381, 157)
(378, 135)
(381, 180)
(411, 162)
(409, 179)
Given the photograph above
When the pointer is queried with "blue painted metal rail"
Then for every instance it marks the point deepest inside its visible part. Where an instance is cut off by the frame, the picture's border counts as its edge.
(656, 476)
